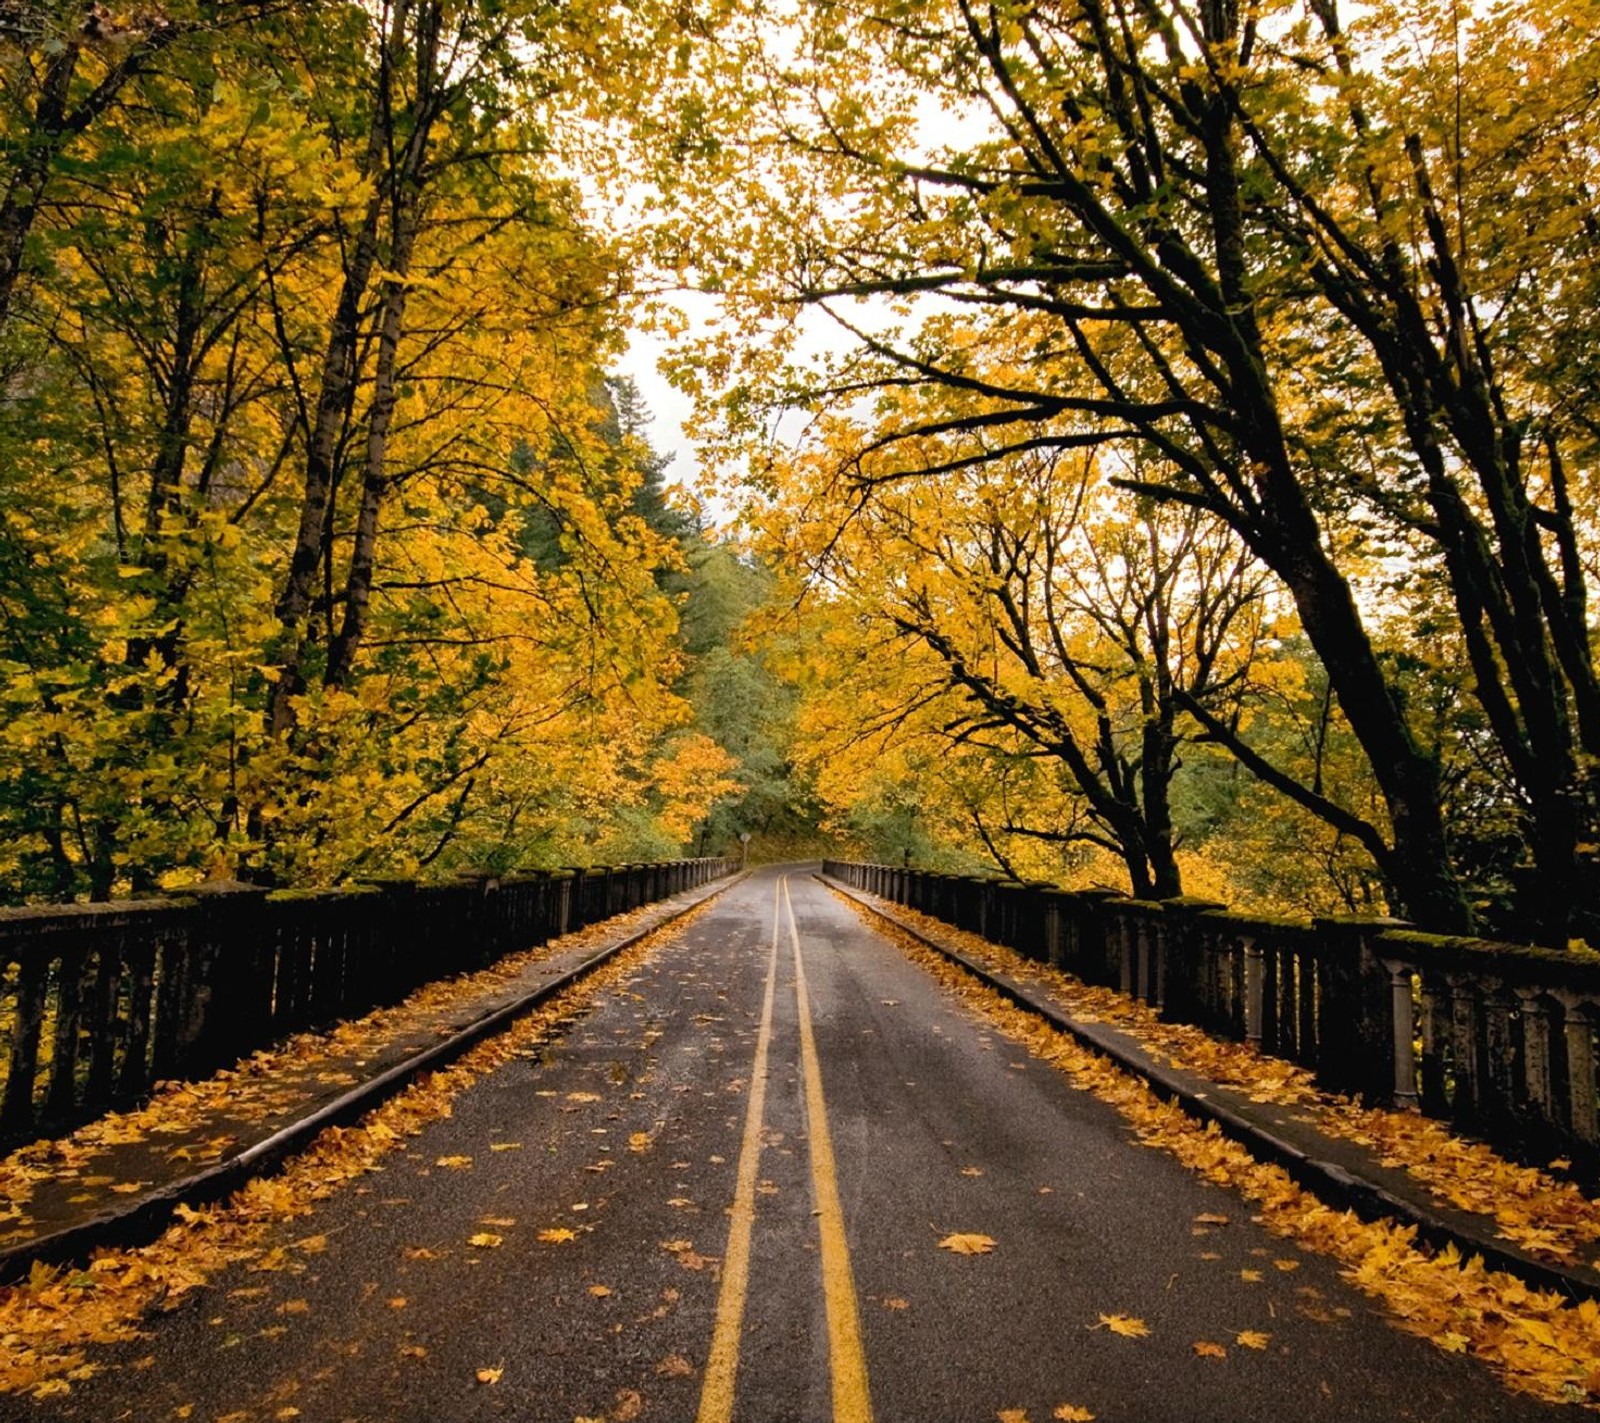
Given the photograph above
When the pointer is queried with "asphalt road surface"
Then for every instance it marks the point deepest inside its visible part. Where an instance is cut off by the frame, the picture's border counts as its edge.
(756, 1146)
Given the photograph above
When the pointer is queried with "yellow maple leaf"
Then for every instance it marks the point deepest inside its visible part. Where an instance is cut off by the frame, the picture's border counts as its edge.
(485, 1240)
(1251, 1339)
(1125, 1325)
(639, 1141)
(599, 1291)
(491, 1375)
(1205, 1349)
(1250, 1277)
(454, 1163)
(1071, 1413)
(1012, 1415)
(557, 1235)
(967, 1244)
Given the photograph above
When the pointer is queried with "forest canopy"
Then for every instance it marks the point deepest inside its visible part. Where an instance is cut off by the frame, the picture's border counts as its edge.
(1149, 443)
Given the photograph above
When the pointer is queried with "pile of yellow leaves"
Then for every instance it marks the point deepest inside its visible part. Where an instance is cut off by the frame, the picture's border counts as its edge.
(1539, 1343)
(1543, 1215)
(47, 1322)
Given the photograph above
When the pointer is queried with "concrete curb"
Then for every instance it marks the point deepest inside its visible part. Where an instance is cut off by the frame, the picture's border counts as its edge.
(142, 1220)
(1328, 1180)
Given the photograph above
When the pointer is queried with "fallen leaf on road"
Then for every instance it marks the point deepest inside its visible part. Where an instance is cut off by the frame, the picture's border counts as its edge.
(674, 1366)
(485, 1240)
(1071, 1413)
(1287, 1265)
(967, 1244)
(505, 1146)
(294, 1306)
(896, 1303)
(491, 1375)
(421, 1252)
(1251, 1339)
(599, 1291)
(583, 1096)
(630, 1404)
(312, 1244)
(1205, 1349)
(677, 1247)
(1123, 1324)
(1012, 1415)
(398, 1302)
(972, 1171)
(1250, 1277)
(413, 1351)
(498, 1220)
(1210, 1218)
(556, 1235)
(454, 1163)
(639, 1141)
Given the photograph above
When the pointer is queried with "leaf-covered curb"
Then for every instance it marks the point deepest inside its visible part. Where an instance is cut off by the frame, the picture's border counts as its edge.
(48, 1322)
(1537, 1342)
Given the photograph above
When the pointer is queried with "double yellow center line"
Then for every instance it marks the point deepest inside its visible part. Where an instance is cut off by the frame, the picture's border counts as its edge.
(847, 1359)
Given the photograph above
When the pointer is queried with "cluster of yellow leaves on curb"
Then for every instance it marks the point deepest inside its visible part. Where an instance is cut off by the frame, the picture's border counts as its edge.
(1540, 1213)
(48, 1321)
(1537, 1342)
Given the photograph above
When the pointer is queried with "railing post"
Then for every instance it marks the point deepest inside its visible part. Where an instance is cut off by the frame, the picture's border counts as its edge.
(1054, 949)
(229, 1001)
(1356, 1051)
(1401, 1031)
(1536, 1075)
(1581, 1106)
(1255, 981)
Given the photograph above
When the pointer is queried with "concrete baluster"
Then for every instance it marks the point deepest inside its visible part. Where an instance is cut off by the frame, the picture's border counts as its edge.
(1403, 1033)
(1581, 1105)
(1255, 977)
(1536, 1054)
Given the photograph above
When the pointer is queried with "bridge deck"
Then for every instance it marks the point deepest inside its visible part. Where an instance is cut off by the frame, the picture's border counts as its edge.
(664, 1232)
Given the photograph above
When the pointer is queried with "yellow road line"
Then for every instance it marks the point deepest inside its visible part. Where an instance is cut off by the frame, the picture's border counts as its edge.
(852, 1403)
(716, 1393)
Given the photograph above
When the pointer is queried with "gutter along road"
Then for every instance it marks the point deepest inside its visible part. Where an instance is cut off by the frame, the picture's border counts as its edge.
(721, 1195)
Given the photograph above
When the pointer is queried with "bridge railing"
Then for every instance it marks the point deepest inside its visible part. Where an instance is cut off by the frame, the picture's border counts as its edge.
(100, 1001)
(1498, 1038)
